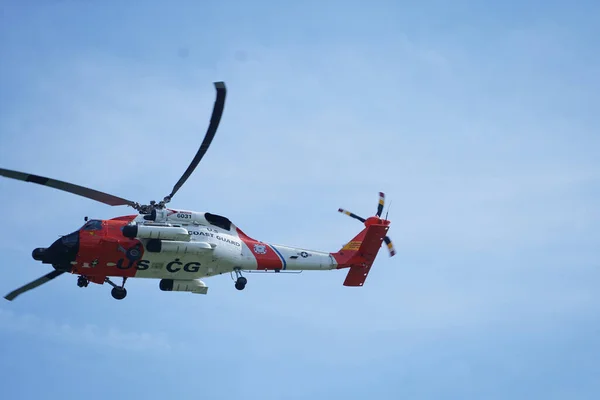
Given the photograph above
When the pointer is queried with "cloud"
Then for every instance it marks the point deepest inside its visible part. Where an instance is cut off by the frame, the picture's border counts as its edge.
(85, 335)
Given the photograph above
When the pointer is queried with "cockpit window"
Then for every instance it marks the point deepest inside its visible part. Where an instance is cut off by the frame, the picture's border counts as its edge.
(92, 225)
(218, 220)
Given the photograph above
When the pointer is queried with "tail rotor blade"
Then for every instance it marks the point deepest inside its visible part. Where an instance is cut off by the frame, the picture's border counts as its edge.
(348, 213)
(32, 285)
(381, 203)
(390, 246)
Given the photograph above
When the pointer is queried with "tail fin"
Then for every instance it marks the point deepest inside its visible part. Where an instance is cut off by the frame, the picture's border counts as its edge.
(359, 254)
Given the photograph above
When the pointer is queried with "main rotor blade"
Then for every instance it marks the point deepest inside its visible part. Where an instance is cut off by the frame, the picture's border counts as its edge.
(67, 187)
(380, 205)
(32, 285)
(215, 119)
(348, 213)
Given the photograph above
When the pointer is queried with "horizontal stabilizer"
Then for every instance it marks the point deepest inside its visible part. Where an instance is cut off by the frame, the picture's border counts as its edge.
(357, 276)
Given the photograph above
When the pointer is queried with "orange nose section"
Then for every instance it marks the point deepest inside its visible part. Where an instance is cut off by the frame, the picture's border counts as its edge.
(104, 251)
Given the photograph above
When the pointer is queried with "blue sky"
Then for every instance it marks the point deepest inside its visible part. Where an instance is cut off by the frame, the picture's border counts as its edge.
(479, 121)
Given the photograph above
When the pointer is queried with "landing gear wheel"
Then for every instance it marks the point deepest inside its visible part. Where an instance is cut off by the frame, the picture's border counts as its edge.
(82, 281)
(118, 293)
(240, 282)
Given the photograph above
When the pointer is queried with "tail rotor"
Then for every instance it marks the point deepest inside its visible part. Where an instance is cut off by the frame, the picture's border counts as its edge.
(374, 219)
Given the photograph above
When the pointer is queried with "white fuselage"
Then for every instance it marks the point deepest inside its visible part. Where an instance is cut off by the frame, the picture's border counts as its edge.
(226, 250)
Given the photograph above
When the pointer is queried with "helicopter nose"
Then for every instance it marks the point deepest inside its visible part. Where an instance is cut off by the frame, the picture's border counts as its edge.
(61, 253)
(38, 254)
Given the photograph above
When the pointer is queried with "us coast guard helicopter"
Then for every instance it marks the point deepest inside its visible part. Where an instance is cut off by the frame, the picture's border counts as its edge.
(179, 247)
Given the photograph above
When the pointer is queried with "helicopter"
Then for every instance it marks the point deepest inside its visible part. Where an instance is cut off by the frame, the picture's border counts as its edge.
(179, 247)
